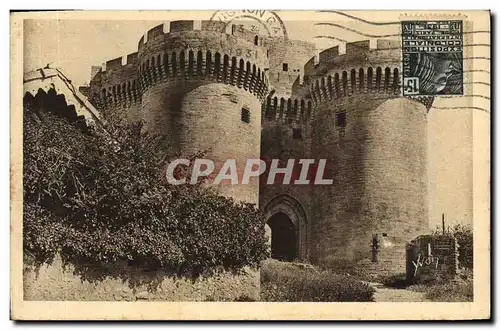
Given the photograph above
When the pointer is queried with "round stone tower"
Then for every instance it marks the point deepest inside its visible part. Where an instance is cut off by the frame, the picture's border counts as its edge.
(202, 90)
(375, 143)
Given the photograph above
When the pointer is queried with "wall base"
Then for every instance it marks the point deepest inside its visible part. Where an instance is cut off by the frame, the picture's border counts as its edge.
(53, 282)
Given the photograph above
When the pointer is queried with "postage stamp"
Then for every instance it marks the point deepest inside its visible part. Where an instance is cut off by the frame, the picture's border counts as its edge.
(432, 57)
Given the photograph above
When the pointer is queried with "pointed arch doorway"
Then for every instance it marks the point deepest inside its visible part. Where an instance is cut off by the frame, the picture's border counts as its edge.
(287, 222)
(283, 237)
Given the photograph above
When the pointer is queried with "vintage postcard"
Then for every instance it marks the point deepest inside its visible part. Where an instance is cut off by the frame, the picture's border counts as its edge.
(250, 165)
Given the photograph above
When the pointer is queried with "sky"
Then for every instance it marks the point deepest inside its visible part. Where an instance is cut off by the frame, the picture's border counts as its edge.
(76, 45)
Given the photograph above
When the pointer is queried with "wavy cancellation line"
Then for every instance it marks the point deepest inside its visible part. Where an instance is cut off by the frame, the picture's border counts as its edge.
(458, 108)
(390, 48)
(476, 82)
(478, 70)
(379, 35)
(339, 83)
(359, 18)
(465, 58)
(375, 23)
(356, 31)
(451, 108)
(453, 96)
(396, 48)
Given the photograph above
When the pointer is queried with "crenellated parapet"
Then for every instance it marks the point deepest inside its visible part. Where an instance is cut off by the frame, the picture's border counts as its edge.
(209, 54)
(180, 52)
(116, 84)
(339, 85)
(357, 54)
(290, 110)
(361, 70)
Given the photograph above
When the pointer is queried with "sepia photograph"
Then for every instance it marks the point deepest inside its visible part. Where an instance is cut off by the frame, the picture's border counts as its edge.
(338, 160)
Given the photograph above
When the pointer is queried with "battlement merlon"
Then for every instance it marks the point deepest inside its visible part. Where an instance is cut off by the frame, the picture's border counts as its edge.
(132, 58)
(114, 64)
(154, 32)
(120, 62)
(178, 26)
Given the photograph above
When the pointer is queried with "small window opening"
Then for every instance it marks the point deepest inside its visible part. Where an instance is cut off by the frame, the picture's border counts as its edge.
(285, 66)
(256, 40)
(297, 133)
(384, 234)
(245, 115)
(340, 119)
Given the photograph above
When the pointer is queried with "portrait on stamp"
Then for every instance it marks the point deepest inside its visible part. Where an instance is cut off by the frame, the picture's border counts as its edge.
(432, 58)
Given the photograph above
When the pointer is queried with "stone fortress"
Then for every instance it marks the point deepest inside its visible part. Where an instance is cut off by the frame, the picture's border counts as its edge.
(243, 95)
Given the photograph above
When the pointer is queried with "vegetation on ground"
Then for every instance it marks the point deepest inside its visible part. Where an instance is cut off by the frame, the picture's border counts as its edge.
(460, 289)
(284, 281)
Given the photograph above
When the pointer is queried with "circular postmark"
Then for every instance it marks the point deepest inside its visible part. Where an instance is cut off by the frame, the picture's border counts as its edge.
(253, 20)
(265, 26)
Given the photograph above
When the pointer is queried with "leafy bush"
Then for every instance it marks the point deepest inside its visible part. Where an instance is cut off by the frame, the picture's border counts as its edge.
(465, 240)
(451, 292)
(97, 203)
(281, 281)
(447, 291)
(464, 235)
(441, 289)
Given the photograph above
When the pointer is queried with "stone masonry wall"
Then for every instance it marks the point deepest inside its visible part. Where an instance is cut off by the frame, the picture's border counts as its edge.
(115, 91)
(193, 116)
(431, 256)
(378, 164)
(54, 282)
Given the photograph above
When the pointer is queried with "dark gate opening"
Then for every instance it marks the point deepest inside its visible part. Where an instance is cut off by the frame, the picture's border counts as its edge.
(283, 237)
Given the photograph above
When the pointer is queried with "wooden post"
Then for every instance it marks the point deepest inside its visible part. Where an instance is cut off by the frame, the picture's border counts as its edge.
(442, 219)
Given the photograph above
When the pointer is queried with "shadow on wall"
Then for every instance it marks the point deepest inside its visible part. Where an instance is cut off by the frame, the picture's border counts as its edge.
(59, 281)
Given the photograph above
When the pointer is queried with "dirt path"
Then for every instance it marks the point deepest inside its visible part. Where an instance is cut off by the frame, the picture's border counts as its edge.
(385, 294)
